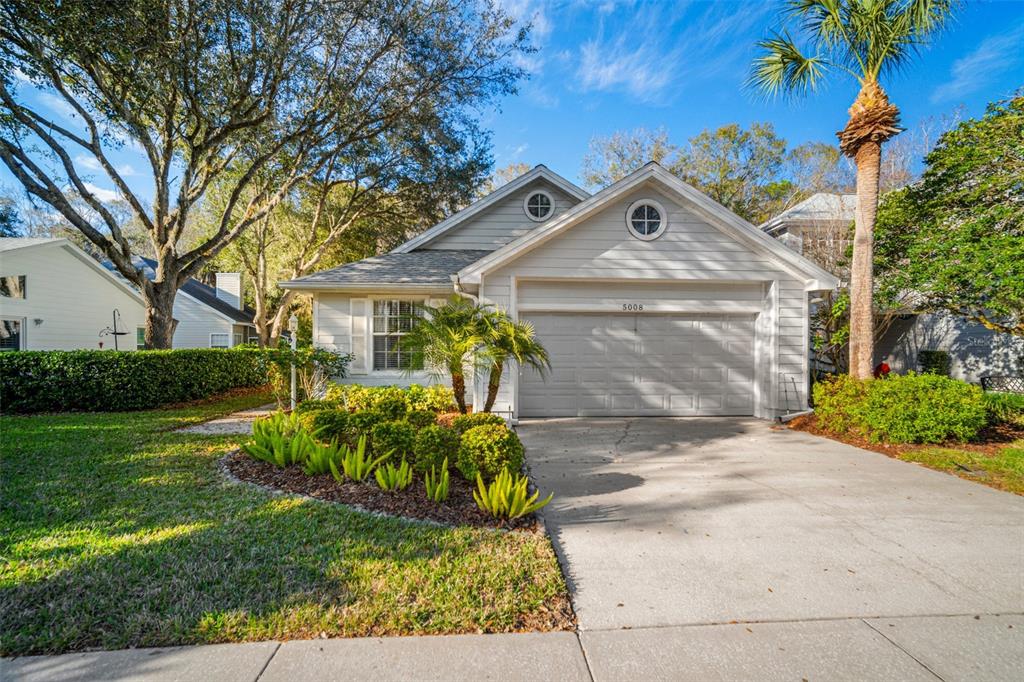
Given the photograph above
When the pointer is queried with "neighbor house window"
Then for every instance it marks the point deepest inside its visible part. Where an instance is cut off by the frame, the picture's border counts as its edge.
(10, 335)
(238, 338)
(538, 205)
(12, 286)
(140, 338)
(220, 340)
(391, 321)
(646, 219)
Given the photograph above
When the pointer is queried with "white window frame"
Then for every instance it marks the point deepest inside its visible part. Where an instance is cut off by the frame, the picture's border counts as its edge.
(419, 301)
(22, 334)
(238, 338)
(526, 205)
(228, 342)
(661, 212)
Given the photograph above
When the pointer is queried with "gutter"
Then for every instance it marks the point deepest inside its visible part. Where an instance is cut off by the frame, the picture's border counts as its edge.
(462, 292)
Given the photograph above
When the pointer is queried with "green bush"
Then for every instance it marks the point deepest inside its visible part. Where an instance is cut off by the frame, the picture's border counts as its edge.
(436, 398)
(465, 422)
(934, 362)
(393, 438)
(355, 397)
(914, 408)
(329, 424)
(310, 406)
(1004, 408)
(434, 444)
(420, 419)
(362, 422)
(506, 497)
(393, 407)
(279, 439)
(106, 380)
(488, 450)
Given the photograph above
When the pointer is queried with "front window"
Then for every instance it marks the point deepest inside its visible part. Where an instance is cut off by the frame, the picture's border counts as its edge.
(238, 338)
(391, 321)
(140, 338)
(12, 286)
(10, 335)
(220, 340)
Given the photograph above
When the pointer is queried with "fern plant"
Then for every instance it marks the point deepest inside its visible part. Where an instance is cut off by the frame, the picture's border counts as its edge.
(437, 483)
(280, 440)
(320, 457)
(355, 465)
(507, 497)
(392, 478)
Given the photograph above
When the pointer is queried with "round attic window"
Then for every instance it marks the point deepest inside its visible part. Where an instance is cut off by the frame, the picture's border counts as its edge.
(646, 219)
(538, 205)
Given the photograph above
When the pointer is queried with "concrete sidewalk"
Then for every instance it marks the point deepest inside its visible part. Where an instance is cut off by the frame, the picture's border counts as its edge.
(921, 648)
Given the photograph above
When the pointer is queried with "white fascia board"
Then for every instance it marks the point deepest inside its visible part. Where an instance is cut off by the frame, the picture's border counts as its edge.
(717, 216)
(539, 172)
(364, 288)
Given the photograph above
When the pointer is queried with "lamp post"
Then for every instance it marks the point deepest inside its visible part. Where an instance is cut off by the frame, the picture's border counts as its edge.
(293, 327)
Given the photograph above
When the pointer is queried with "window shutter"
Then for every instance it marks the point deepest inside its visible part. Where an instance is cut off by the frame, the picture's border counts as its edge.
(358, 334)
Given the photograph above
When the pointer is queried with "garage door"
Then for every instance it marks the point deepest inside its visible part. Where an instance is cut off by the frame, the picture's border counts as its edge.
(641, 365)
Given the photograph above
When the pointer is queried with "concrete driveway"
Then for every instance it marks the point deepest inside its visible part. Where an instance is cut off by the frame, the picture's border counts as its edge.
(729, 549)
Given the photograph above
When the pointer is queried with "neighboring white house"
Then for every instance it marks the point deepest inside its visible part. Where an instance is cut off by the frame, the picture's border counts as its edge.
(651, 299)
(819, 228)
(55, 296)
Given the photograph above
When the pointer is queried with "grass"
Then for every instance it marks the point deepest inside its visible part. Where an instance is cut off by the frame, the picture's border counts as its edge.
(1002, 468)
(119, 532)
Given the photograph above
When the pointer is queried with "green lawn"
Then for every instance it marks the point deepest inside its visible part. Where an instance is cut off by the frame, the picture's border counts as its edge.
(118, 532)
(1002, 469)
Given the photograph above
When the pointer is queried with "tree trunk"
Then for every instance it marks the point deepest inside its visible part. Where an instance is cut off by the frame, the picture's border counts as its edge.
(160, 322)
(493, 382)
(862, 320)
(459, 389)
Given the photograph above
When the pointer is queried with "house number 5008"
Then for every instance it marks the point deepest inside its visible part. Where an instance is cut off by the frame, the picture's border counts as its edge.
(632, 307)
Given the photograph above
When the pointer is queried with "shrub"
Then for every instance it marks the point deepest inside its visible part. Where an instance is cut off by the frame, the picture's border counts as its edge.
(488, 450)
(420, 419)
(434, 444)
(320, 457)
(1004, 408)
(507, 497)
(310, 406)
(327, 424)
(106, 380)
(362, 422)
(915, 408)
(279, 439)
(355, 464)
(446, 419)
(464, 422)
(436, 398)
(393, 439)
(355, 397)
(934, 362)
(392, 406)
(392, 478)
(437, 482)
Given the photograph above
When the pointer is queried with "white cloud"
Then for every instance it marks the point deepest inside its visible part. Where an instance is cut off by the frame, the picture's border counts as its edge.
(518, 151)
(993, 57)
(90, 162)
(126, 170)
(104, 195)
(58, 105)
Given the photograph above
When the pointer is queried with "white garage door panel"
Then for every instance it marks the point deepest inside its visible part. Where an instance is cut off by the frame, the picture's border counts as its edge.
(646, 364)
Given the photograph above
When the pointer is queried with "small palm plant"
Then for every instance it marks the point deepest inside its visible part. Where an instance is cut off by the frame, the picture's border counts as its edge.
(392, 478)
(508, 339)
(437, 483)
(279, 439)
(507, 497)
(355, 464)
(448, 339)
(320, 457)
(864, 39)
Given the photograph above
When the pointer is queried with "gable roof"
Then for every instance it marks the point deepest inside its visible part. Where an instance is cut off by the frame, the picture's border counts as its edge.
(817, 208)
(202, 293)
(714, 213)
(8, 244)
(426, 269)
(456, 219)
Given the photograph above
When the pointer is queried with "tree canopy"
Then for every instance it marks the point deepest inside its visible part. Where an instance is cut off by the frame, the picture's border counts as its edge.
(956, 238)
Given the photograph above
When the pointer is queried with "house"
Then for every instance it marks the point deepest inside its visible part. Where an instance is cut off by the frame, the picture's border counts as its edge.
(55, 296)
(819, 228)
(651, 299)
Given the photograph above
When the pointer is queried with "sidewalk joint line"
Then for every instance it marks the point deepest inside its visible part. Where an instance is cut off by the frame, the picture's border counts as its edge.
(895, 644)
(586, 660)
(267, 663)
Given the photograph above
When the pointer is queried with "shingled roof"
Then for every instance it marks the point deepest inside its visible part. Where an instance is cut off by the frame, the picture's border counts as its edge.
(416, 268)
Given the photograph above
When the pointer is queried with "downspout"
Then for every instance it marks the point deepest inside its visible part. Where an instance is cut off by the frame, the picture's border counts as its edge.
(462, 292)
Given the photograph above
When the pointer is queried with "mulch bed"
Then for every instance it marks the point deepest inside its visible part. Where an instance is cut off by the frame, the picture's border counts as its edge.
(458, 510)
(989, 440)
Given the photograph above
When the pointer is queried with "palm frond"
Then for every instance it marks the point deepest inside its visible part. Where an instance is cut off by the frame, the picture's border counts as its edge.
(783, 68)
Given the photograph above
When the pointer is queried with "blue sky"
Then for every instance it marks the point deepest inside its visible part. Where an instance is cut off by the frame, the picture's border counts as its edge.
(610, 65)
(607, 66)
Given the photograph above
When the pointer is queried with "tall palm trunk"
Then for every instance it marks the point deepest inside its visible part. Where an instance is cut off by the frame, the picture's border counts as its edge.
(459, 389)
(493, 383)
(873, 120)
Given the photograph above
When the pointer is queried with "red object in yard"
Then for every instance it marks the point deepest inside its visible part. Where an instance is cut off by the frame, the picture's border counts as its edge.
(882, 370)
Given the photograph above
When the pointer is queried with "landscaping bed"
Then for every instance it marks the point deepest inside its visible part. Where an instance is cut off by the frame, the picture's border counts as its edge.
(459, 509)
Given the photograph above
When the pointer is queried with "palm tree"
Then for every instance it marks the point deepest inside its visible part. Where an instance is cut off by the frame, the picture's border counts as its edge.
(864, 39)
(449, 339)
(510, 340)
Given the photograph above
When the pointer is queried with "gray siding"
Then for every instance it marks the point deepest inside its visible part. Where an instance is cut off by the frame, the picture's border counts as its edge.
(501, 223)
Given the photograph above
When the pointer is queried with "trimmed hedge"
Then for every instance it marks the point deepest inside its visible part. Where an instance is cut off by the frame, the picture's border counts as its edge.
(107, 381)
(488, 450)
(388, 399)
(913, 408)
(434, 444)
(465, 422)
